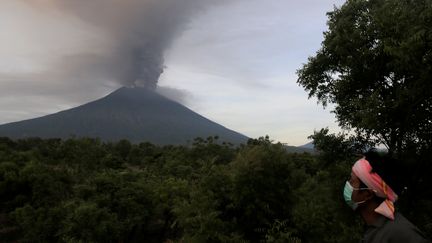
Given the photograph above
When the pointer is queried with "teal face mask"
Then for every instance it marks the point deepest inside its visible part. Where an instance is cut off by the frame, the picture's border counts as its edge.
(348, 191)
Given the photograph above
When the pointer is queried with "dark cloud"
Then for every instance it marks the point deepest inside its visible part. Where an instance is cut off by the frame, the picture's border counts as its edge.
(182, 96)
(140, 31)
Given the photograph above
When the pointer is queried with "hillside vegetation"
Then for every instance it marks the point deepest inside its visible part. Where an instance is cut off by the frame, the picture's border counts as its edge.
(83, 190)
(374, 66)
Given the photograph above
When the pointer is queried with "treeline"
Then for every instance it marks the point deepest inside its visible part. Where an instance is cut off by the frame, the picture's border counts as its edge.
(83, 190)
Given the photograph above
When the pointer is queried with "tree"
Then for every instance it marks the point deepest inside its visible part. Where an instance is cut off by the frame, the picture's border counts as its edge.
(375, 65)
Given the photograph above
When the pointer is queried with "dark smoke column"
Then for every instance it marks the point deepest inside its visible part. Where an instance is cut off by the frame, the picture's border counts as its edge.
(147, 67)
(138, 30)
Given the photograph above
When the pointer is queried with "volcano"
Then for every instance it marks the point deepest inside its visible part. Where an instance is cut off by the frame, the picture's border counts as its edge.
(135, 114)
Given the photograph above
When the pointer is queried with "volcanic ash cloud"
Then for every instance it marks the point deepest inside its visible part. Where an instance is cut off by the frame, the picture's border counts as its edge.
(140, 31)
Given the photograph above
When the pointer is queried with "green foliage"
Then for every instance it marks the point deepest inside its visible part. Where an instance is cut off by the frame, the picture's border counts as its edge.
(87, 222)
(320, 213)
(208, 192)
(279, 232)
(38, 224)
(261, 186)
(375, 65)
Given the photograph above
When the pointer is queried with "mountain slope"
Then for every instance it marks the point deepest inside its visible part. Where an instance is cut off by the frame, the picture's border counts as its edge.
(136, 114)
(309, 145)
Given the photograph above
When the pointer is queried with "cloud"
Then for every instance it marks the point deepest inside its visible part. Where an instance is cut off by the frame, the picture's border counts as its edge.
(139, 30)
(179, 95)
(238, 60)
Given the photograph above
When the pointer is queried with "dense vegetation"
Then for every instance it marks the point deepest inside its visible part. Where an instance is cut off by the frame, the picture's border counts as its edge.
(82, 190)
(375, 66)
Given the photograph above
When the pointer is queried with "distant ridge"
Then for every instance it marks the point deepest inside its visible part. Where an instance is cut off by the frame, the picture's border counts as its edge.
(136, 114)
(300, 149)
(309, 145)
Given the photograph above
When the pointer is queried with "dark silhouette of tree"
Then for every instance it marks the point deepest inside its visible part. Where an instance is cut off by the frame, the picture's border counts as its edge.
(375, 65)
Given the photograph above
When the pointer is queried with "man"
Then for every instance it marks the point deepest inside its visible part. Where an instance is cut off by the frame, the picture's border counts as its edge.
(369, 192)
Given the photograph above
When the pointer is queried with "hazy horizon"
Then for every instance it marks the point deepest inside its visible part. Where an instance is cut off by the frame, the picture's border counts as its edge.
(233, 63)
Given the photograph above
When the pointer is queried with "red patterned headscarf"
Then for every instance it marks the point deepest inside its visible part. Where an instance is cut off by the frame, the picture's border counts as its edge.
(363, 170)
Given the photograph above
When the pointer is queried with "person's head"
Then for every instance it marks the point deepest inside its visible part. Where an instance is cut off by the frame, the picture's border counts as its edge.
(389, 168)
(374, 179)
(357, 194)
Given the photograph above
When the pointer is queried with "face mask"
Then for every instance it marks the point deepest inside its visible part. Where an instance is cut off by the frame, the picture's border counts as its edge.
(348, 191)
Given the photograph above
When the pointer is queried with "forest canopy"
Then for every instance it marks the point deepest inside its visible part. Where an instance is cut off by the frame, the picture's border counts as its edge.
(374, 65)
(83, 190)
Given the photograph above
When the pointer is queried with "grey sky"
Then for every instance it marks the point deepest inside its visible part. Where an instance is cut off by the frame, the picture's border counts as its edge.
(234, 64)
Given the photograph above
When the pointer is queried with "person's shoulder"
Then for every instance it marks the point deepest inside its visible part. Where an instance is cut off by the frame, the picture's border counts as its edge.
(402, 230)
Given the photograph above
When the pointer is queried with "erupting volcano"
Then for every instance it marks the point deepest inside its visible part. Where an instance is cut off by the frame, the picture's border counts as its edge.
(137, 114)
(137, 34)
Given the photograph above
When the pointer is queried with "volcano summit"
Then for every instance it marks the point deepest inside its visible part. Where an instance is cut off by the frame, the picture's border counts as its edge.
(136, 114)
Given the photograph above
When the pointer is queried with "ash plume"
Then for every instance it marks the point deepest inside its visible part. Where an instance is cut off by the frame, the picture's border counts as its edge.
(139, 30)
